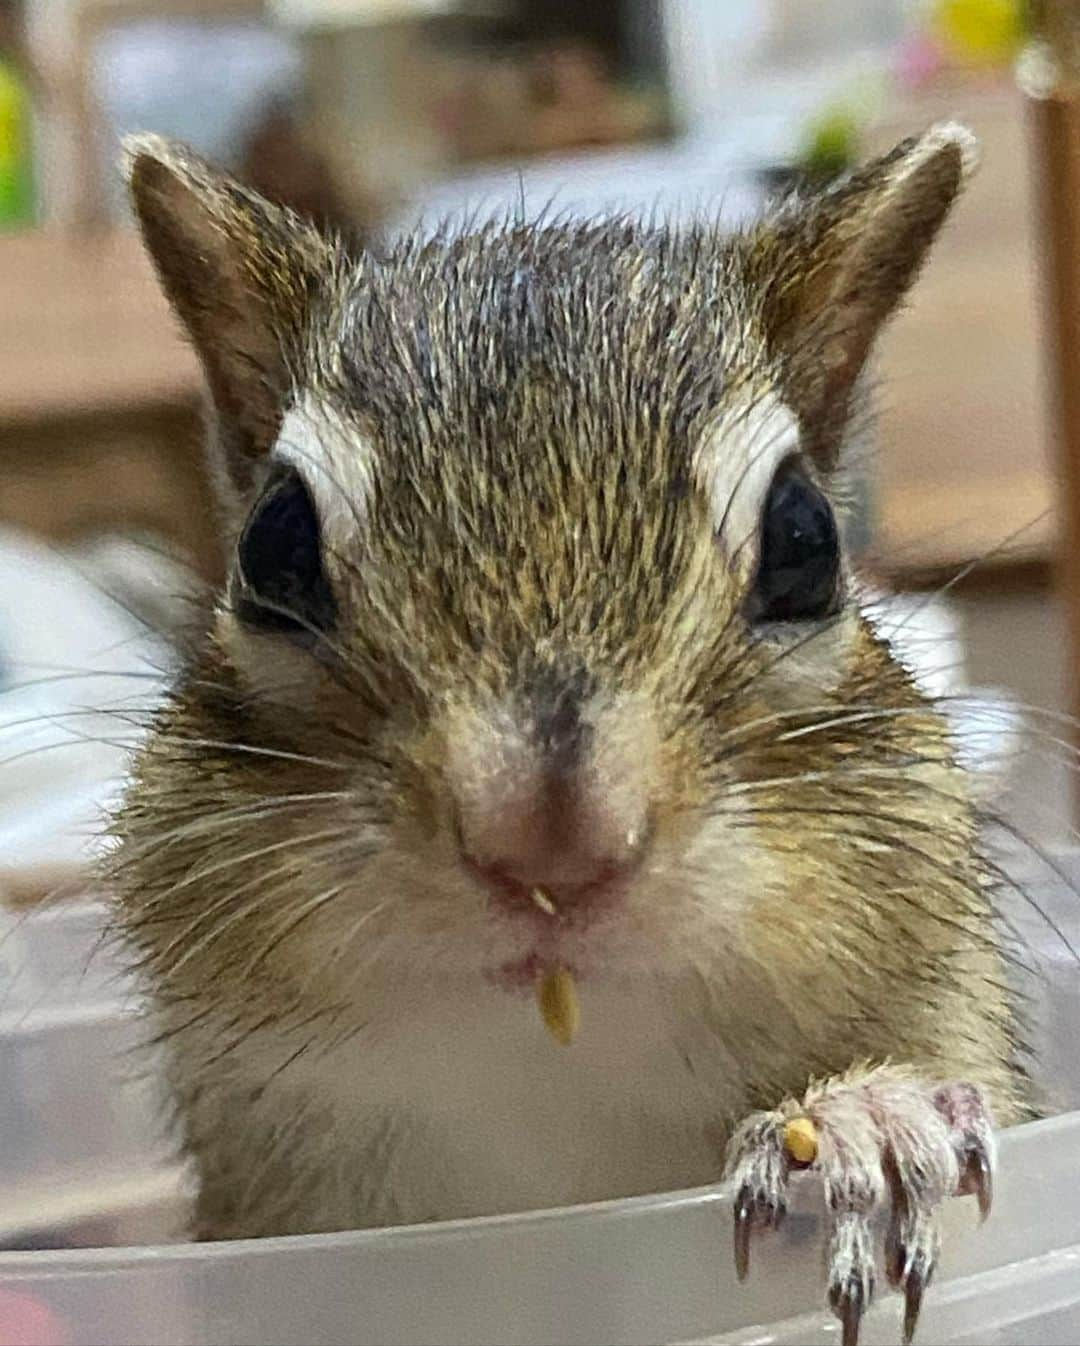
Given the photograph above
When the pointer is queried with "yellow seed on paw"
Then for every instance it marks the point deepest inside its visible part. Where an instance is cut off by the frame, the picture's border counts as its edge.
(801, 1140)
(559, 1006)
(544, 902)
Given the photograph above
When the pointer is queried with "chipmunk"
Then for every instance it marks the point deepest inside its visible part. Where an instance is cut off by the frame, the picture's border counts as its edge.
(540, 697)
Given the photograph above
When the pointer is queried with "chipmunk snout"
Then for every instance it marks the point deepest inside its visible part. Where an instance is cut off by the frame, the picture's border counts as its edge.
(553, 803)
(553, 837)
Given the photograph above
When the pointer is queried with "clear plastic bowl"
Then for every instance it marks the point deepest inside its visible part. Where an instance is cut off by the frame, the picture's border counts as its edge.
(652, 1270)
(83, 1155)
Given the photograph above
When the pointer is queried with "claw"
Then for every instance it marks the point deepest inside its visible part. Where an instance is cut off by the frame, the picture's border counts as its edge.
(978, 1177)
(851, 1271)
(886, 1144)
(895, 1256)
(918, 1278)
(752, 1212)
(848, 1305)
(964, 1109)
(851, 1320)
(913, 1297)
(744, 1220)
(910, 1266)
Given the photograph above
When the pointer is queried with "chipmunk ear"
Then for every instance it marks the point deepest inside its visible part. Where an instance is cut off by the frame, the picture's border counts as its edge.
(837, 267)
(242, 275)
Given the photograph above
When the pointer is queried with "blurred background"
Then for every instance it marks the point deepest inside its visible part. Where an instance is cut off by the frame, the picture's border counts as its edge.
(377, 115)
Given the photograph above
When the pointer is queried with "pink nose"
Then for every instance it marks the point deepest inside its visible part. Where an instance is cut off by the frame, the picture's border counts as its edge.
(556, 836)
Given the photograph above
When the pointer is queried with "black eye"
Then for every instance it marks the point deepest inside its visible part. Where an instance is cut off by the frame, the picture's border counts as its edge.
(283, 583)
(799, 571)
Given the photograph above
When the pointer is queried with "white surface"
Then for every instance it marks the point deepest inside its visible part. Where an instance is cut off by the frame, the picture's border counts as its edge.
(924, 634)
(349, 13)
(204, 83)
(56, 958)
(77, 673)
(737, 58)
(706, 175)
(80, 1104)
(80, 1113)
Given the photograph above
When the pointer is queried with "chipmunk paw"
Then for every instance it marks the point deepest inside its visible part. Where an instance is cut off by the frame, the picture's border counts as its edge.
(879, 1140)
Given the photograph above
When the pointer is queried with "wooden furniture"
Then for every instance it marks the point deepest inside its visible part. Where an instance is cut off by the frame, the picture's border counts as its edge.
(99, 399)
(966, 469)
(1054, 76)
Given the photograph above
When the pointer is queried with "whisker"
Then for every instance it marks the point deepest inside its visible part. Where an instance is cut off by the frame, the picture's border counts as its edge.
(888, 840)
(351, 934)
(255, 750)
(125, 714)
(306, 910)
(232, 861)
(164, 958)
(965, 570)
(204, 825)
(74, 675)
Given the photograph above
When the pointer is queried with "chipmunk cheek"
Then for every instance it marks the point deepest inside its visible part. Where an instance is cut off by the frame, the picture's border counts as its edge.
(801, 662)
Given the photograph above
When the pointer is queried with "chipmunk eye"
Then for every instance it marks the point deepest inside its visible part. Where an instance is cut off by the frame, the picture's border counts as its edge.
(283, 586)
(799, 568)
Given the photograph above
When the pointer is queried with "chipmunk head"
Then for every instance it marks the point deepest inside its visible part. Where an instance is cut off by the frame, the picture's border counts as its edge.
(537, 584)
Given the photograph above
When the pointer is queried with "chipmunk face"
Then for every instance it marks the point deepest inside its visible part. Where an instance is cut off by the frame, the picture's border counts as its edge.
(538, 642)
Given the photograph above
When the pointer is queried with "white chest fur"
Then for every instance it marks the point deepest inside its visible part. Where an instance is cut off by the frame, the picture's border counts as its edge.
(469, 1106)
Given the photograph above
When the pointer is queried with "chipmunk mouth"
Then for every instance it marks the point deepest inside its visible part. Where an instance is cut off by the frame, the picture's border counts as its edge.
(552, 936)
(558, 958)
(553, 866)
(548, 907)
(521, 975)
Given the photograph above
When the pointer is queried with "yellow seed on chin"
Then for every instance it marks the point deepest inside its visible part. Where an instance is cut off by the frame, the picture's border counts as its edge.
(544, 902)
(559, 1006)
(801, 1140)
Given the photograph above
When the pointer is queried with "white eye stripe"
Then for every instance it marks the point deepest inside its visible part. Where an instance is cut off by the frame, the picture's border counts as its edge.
(735, 463)
(334, 459)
